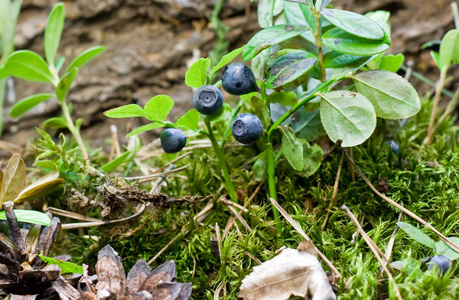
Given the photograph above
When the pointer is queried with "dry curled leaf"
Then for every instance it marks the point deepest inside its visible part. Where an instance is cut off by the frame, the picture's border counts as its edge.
(292, 272)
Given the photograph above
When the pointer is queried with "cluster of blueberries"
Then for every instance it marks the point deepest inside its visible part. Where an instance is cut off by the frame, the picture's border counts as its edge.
(237, 79)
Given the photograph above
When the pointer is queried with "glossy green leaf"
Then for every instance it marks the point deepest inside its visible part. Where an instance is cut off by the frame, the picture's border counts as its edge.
(449, 48)
(354, 23)
(347, 116)
(344, 42)
(335, 59)
(85, 57)
(29, 216)
(65, 266)
(417, 234)
(110, 166)
(196, 75)
(224, 113)
(56, 122)
(443, 249)
(292, 148)
(158, 107)
(391, 62)
(312, 158)
(13, 179)
(53, 31)
(189, 121)
(226, 59)
(28, 65)
(290, 68)
(392, 96)
(144, 128)
(26, 104)
(270, 36)
(65, 83)
(125, 111)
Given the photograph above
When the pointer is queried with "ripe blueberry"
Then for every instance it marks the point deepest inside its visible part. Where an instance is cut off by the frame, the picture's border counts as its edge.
(442, 262)
(172, 140)
(247, 128)
(207, 99)
(238, 79)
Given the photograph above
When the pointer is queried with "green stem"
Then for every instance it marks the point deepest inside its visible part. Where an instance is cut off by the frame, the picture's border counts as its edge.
(440, 84)
(222, 162)
(73, 130)
(318, 36)
(272, 184)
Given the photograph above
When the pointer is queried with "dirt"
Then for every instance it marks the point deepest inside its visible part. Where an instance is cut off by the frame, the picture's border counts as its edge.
(150, 42)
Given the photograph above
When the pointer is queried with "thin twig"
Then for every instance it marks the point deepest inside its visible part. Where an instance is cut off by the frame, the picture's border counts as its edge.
(390, 245)
(375, 251)
(240, 218)
(69, 214)
(149, 177)
(335, 192)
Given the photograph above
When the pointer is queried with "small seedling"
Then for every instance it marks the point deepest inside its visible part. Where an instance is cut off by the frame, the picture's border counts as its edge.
(172, 140)
(238, 79)
(208, 100)
(246, 128)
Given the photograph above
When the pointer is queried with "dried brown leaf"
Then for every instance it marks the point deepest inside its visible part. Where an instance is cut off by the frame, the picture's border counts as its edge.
(48, 236)
(14, 179)
(162, 274)
(138, 275)
(65, 290)
(23, 297)
(110, 272)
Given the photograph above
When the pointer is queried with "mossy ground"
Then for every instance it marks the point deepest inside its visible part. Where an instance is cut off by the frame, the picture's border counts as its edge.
(423, 178)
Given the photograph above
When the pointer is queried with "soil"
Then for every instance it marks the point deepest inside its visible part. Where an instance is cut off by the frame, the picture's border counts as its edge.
(149, 44)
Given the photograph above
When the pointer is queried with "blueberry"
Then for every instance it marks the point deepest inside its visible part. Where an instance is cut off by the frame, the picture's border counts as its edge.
(172, 140)
(238, 79)
(207, 99)
(394, 146)
(442, 262)
(247, 128)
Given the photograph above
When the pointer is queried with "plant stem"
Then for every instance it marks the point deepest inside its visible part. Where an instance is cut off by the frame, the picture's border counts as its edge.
(222, 162)
(439, 87)
(73, 130)
(318, 36)
(272, 183)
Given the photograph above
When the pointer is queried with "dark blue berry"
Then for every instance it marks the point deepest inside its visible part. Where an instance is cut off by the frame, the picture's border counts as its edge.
(442, 262)
(394, 146)
(246, 128)
(238, 79)
(208, 99)
(172, 140)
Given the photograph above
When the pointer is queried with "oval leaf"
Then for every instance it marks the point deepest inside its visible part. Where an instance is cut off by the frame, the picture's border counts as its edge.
(64, 84)
(354, 23)
(110, 166)
(85, 57)
(144, 128)
(292, 148)
(13, 179)
(53, 31)
(29, 216)
(26, 104)
(445, 250)
(344, 42)
(189, 121)
(312, 157)
(300, 14)
(158, 107)
(270, 36)
(391, 62)
(125, 111)
(226, 59)
(391, 95)
(417, 234)
(224, 113)
(347, 116)
(41, 186)
(28, 65)
(289, 68)
(66, 267)
(196, 75)
(449, 48)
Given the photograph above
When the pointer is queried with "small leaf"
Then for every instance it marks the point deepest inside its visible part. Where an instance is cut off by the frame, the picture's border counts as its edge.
(41, 186)
(125, 111)
(417, 234)
(56, 122)
(13, 179)
(347, 116)
(344, 42)
(158, 107)
(53, 31)
(196, 75)
(28, 65)
(284, 98)
(29, 216)
(392, 96)
(392, 62)
(354, 23)
(144, 128)
(443, 249)
(59, 63)
(312, 157)
(189, 121)
(300, 14)
(260, 167)
(335, 59)
(270, 36)
(226, 59)
(66, 267)
(436, 58)
(307, 125)
(110, 166)
(85, 57)
(224, 113)
(292, 148)
(26, 104)
(449, 48)
(64, 84)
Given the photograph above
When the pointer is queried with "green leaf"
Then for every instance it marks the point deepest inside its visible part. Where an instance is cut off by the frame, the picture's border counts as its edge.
(443, 249)
(29, 216)
(56, 122)
(354, 23)
(288, 70)
(125, 111)
(307, 125)
(13, 180)
(144, 128)
(347, 116)
(65, 83)
(260, 167)
(85, 57)
(449, 48)
(335, 59)
(196, 75)
(344, 42)
(66, 267)
(392, 62)
(392, 96)
(292, 148)
(3, 72)
(270, 36)
(26, 104)
(226, 59)
(40, 187)
(158, 107)
(436, 58)
(312, 158)
(110, 166)
(224, 113)
(300, 14)
(417, 234)
(189, 121)
(284, 98)
(59, 63)
(261, 110)
(28, 65)
(53, 31)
